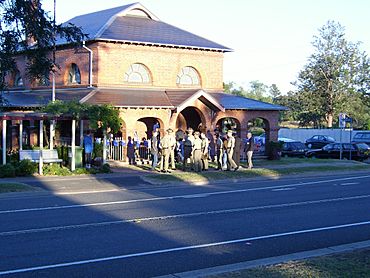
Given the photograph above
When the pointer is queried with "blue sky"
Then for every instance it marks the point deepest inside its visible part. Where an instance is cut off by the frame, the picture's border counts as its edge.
(271, 38)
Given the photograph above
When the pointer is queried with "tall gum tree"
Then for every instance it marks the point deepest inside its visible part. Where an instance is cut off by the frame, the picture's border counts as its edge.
(336, 74)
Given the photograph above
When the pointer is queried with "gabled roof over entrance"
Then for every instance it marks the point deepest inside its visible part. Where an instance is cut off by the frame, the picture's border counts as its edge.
(134, 23)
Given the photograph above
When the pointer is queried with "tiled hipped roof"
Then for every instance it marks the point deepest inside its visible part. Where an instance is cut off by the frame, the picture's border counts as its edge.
(115, 25)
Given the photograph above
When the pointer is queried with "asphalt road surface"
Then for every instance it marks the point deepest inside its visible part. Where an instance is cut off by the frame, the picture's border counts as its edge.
(140, 230)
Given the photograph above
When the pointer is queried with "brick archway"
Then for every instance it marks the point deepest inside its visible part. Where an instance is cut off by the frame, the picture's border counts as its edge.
(190, 117)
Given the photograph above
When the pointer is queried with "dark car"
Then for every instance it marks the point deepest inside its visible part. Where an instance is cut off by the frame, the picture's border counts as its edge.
(319, 141)
(362, 137)
(294, 148)
(355, 151)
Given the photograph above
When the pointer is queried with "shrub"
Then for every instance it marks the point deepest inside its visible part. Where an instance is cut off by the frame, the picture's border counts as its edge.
(7, 171)
(25, 168)
(56, 170)
(98, 150)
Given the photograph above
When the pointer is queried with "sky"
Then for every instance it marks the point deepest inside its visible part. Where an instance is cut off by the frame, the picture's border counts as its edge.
(271, 39)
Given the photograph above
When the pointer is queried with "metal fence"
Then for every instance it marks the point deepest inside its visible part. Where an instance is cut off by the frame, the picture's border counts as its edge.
(117, 150)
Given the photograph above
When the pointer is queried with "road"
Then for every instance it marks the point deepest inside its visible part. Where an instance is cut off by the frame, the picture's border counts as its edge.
(140, 230)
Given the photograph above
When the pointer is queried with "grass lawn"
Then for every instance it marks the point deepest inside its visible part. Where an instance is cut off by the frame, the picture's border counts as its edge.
(263, 168)
(351, 264)
(6, 187)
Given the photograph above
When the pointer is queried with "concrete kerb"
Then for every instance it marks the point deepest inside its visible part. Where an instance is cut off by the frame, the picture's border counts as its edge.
(219, 270)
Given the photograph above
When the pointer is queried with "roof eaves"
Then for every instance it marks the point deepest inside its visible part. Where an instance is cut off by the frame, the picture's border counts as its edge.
(167, 45)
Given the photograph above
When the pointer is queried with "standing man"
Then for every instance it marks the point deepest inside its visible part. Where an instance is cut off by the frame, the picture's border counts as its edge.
(249, 145)
(165, 151)
(154, 149)
(237, 149)
(188, 148)
(205, 151)
(230, 151)
(172, 141)
(219, 151)
(197, 152)
(89, 146)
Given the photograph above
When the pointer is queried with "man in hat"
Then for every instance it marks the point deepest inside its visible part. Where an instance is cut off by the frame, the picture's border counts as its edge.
(237, 149)
(172, 139)
(165, 145)
(154, 149)
(197, 152)
(188, 148)
(205, 150)
(230, 151)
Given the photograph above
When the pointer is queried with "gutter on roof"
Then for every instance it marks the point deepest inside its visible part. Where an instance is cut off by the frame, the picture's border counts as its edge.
(166, 45)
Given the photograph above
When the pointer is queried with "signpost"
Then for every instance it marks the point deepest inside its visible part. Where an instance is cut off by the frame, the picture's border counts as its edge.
(342, 125)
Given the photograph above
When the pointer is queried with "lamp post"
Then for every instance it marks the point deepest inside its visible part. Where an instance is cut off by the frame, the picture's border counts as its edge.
(52, 123)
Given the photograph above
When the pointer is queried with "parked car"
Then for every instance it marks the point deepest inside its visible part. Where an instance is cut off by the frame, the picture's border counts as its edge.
(319, 141)
(262, 139)
(362, 137)
(293, 148)
(355, 151)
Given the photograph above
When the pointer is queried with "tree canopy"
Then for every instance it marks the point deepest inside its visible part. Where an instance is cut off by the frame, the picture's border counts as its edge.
(335, 79)
(100, 116)
(28, 29)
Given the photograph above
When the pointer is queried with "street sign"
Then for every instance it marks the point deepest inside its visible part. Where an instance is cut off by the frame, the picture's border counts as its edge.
(342, 120)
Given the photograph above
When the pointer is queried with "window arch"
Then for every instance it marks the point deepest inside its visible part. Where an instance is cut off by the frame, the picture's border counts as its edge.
(188, 76)
(137, 73)
(74, 75)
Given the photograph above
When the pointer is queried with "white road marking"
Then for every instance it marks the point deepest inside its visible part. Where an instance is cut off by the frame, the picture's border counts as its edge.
(284, 189)
(350, 183)
(165, 217)
(183, 248)
(180, 196)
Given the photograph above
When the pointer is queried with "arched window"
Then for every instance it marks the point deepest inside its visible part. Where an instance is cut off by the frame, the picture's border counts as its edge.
(18, 81)
(74, 75)
(188, 76)
(137, 73)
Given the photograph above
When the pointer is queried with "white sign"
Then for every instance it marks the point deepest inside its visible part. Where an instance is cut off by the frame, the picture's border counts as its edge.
(342, 120)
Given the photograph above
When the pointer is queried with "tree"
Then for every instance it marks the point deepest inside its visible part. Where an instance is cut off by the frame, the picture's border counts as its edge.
(336, 75)
(27, 29)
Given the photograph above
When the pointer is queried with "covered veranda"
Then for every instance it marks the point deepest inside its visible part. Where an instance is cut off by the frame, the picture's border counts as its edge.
(20, 117)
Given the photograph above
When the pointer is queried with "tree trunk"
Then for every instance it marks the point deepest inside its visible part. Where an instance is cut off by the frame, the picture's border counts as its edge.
(329, 120)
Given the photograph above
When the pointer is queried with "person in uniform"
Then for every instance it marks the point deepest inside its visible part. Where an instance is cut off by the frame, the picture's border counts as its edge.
(219, 151)
(205, 151)
(154, 149)
(165, 151)
(230, 151)
(188, 148)
(237, 149)
(172, 140)
(197, 152)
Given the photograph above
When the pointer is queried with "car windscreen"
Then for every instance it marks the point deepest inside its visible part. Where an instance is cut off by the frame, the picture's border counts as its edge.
(362, 146)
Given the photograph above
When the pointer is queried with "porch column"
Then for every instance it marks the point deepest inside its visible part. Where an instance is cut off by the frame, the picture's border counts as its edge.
(81, 133)
(105, 148)
(52, 134)
(20, 141)
(73, 147)
(41, 144)
(4, 142)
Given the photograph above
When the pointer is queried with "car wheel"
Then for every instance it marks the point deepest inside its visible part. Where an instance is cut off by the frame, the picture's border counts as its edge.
(313, 156)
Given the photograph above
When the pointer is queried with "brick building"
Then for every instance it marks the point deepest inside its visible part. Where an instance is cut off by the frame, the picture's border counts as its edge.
(150, 70)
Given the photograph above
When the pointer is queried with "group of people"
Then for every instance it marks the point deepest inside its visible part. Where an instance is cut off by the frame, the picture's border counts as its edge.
(194, 149)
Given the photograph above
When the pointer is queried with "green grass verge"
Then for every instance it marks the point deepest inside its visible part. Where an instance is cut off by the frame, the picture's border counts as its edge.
(351, 264)
(6, 187)
(257, 172)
